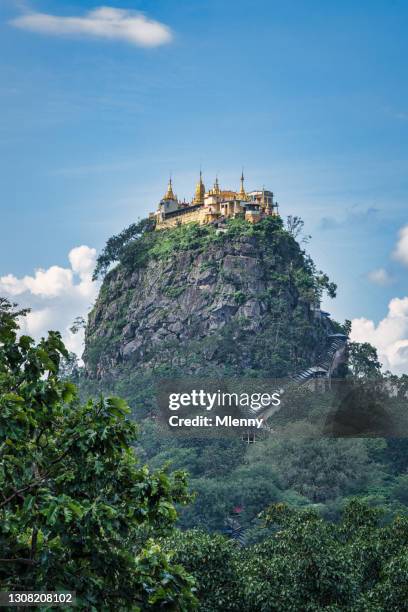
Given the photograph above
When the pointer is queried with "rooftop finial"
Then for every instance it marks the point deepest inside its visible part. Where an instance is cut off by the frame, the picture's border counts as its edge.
(242, 193)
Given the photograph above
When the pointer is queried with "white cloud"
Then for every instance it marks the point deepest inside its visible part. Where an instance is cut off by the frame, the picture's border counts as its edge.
(380, 276)
(401, 250)
(56, 296)
(46, 283)
(390, 336)
(82, 260)
(103, 22)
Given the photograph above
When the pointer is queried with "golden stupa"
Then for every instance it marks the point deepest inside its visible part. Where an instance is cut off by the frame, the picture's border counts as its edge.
(169, 195)
(199, 191)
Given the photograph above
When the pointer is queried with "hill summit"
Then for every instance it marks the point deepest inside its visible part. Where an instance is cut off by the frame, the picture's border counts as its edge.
(227, 298)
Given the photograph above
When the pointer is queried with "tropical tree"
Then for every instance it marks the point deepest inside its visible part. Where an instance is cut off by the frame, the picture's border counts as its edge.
(115, 246)
(215, 562)
(77, 512)
(363, 360)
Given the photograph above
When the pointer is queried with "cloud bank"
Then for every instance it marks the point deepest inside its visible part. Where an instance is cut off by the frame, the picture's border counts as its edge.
(390, 336)
(103, 22)
(56, 296)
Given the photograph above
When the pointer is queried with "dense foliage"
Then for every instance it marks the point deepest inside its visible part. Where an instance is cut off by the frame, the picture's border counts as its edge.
(115, 246)
(76, 510)
(358, 564)
(215, 562)
(298, 468)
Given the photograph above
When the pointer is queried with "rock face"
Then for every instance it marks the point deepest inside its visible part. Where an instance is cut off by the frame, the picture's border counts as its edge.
(230, 303)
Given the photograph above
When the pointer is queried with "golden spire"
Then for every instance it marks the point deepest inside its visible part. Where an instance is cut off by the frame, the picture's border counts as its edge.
(199, 191)
(242, 193)
(169, 195)
(216, 188)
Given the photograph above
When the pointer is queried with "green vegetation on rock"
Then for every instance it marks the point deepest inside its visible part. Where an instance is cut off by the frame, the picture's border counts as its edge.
(240, 297)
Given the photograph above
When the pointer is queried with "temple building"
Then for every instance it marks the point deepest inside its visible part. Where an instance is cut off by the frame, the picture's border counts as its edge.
(214, 204)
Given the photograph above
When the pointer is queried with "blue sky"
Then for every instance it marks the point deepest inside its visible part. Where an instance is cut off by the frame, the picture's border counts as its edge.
(310, 97)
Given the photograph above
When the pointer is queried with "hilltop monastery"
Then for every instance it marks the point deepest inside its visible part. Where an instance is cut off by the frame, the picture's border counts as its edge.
(217, 203)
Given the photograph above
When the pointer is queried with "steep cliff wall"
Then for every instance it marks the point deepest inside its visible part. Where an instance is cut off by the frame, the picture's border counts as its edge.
(232, 300)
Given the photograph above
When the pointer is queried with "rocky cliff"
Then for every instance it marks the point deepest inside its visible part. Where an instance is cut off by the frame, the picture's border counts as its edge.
(222, 300)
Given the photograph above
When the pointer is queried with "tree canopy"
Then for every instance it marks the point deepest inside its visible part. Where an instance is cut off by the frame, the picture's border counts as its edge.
(114, 247)
(77, 512)
(308, 563)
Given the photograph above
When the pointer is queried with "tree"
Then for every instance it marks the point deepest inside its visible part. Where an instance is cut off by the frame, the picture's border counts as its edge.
(363, 360)
(346, 327)
(77, 324)
(295, 227)
(76, 510)
(115, 245)
(214, 560)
